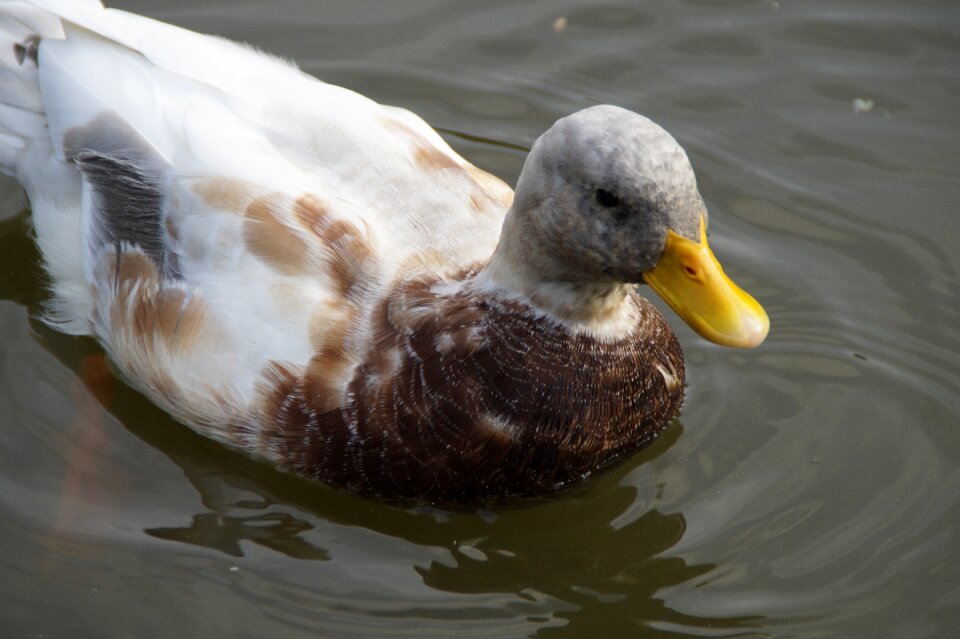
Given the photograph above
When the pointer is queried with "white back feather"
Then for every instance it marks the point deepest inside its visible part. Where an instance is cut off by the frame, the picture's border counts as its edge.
(214, 110)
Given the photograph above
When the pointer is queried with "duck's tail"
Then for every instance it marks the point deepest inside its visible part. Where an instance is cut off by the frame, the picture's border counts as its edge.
(22, 121)
(27, 150)
(24, 24)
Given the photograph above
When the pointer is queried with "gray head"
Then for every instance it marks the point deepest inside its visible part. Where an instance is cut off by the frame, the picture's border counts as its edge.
(608, 198)
(599, 191)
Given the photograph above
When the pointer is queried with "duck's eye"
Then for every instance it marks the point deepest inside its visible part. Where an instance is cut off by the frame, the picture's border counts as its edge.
(606, 198)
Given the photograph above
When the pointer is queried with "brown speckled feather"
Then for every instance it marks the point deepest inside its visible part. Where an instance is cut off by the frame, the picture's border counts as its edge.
(469, 400)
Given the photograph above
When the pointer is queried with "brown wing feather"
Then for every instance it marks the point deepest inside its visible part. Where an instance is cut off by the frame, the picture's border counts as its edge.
(463, 400)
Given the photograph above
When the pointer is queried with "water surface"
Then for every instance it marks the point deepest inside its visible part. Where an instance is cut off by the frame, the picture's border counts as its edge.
(810, 488)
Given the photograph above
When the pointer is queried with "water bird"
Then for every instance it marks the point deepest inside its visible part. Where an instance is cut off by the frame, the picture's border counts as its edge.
(320, 281)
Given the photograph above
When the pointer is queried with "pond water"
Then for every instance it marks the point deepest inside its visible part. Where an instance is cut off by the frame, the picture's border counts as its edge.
(810, 488)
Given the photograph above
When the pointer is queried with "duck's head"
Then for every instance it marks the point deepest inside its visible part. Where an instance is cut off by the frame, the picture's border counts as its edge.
(607, 197)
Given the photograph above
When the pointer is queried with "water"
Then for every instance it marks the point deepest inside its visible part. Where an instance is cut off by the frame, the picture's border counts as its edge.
(809, 489)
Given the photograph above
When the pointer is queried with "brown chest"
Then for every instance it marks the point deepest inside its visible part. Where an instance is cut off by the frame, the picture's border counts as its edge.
(475, 403)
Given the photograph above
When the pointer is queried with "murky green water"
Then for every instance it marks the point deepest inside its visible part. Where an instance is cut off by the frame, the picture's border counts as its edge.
(810, 489)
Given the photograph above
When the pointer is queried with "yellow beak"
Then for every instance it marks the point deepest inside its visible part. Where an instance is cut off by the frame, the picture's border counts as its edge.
(690, 279)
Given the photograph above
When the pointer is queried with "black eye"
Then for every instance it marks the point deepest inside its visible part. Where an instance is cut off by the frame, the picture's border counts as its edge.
(606, 198)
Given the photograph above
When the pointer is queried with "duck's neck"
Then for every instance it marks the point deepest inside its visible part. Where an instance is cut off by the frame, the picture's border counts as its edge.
(519, 271)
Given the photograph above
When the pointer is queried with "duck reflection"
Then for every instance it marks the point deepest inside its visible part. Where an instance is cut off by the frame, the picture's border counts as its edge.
(563, 555)
(278, 531)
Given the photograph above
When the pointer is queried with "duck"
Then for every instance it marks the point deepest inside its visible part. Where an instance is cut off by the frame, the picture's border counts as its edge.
(321, 282)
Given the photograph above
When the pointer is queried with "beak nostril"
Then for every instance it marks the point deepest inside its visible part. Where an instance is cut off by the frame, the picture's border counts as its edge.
(690, 279)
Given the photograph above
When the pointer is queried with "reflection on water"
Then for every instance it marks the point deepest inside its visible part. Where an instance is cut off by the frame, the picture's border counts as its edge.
(279, 531)
(592, 589)
(810, 489)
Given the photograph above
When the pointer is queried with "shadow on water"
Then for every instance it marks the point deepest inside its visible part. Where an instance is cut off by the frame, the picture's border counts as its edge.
(558, 550)
(23, 279)
(572, 552)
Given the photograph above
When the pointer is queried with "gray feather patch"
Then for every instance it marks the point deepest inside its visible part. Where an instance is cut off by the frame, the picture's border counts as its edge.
(125, 175)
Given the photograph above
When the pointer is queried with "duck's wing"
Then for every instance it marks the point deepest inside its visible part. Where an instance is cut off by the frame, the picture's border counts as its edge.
(219, 212)
(210, 103)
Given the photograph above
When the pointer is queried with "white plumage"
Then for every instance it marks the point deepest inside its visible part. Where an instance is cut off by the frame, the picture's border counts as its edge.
(230, 125)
